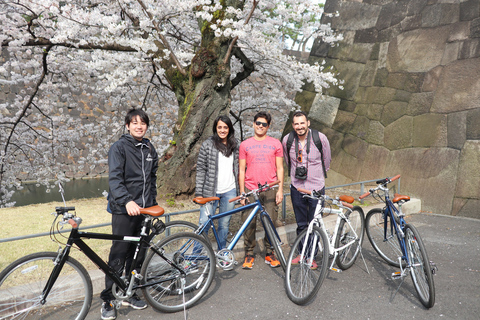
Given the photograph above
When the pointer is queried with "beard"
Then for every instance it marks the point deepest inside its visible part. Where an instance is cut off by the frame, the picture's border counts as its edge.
(304, 132)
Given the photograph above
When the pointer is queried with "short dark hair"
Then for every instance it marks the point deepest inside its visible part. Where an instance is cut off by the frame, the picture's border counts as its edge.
(133, 113)
(263, 114)
(299, 113)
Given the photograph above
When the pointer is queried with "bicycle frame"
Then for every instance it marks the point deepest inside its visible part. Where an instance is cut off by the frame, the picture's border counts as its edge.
(142, 243)
(256, 207)
(318, 221)
(389, 212)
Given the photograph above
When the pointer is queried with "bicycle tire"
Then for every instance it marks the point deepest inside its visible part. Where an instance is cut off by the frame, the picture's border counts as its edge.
(390, 249)
(23, 281)
(301, 282)
(167, 296)
(421, 272)
(275, 242)
(346, 257)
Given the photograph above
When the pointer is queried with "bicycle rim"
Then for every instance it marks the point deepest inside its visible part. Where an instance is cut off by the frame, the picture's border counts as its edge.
(22, 283)
(350, 234)
(171, 292)
(388, 249)
(419, 266)
(302, 282)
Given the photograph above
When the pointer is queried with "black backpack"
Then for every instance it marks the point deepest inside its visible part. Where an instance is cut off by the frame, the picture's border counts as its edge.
(316, 141)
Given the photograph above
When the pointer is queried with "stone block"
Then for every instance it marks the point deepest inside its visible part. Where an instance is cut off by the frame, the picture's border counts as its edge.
(392, 111)
(324, 109)
(305, 99)
(375, 161)
(360, 127)
(469, 171)
(412, 206)
(469, 10)
(431, 79)
(467, 208)
(355, 147)
(419, 103)
(366, 36)
(346, 105)
(356, 16)
(350, 73)
(456, 91)
(456, 129)
(452, 50)
(475, 28)
(369, 73)
(398, 135)
(408, 52)
(428, 174)
(343, 121)
(385, 16)
(402, 95)
(440, 14)
(375, 134)
(380, 95)
(430, 130)
(396, 80)
(381, 77)
(375, 112)
(469, 49)
(473, 124)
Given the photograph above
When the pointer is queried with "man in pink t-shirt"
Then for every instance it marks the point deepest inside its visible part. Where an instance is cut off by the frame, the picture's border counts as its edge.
(261, 161)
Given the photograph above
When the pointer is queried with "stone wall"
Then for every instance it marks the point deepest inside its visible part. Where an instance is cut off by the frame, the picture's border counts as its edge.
(410, 102)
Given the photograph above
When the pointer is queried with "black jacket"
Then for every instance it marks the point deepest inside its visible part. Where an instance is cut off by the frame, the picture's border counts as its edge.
(132, 174)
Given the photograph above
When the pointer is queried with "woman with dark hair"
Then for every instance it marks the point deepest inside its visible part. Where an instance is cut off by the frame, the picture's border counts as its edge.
(217, 173)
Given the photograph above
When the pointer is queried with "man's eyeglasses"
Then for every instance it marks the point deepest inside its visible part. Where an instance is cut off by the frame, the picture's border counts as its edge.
(259, 123)
(299, 158)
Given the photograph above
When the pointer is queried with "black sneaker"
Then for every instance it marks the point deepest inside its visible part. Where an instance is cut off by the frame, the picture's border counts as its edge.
(135, 302)
(108, 311)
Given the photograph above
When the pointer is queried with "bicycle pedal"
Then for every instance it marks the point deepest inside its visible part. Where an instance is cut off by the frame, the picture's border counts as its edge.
(398, 275)
(336, 270)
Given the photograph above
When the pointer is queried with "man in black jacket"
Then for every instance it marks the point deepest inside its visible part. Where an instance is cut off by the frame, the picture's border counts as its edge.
(132, 163)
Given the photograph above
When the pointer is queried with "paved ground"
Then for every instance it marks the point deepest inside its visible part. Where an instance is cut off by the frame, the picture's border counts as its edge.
(452, 243)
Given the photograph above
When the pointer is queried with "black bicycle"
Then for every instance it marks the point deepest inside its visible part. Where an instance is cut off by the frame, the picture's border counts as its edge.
(53, 285)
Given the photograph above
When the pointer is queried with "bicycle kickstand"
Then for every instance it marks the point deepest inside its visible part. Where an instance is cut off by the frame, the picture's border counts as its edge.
(364, 262)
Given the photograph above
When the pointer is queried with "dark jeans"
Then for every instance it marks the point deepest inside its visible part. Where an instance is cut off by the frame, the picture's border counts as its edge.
(304, 208)
(121, 252)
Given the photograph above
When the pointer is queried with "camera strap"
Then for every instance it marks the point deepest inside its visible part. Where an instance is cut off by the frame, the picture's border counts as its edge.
(297, 141)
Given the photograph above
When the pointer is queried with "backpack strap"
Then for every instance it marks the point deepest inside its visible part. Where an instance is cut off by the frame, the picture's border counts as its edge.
(318, 143)
(291, 137)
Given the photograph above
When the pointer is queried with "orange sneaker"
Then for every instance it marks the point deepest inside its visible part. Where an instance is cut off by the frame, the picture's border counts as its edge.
(272, 260)
(248, 264)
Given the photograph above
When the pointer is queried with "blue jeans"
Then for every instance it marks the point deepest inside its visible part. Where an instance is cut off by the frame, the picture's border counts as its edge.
(223, 223)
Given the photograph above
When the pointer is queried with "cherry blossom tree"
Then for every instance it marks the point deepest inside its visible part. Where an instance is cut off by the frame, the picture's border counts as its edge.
(69, 69)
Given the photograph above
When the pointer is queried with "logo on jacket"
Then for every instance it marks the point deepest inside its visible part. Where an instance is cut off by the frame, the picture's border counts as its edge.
(149, 157)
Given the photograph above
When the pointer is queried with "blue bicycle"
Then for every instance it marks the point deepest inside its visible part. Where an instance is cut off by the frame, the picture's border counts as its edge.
(398, 242)
(225, 256)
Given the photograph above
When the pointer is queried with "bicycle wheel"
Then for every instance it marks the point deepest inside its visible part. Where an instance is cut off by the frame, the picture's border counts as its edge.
(170, 291)
(388, 248)
(420, 266)
(275, 242)
(348, 233)
(23, 281)
(302, 280)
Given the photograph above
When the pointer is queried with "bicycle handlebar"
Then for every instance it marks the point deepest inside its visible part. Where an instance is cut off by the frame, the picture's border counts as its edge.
(261, 188)
(380, 183)
(343, 199)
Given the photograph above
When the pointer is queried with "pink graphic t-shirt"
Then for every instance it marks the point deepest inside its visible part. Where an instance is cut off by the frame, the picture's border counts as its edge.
(260, 159)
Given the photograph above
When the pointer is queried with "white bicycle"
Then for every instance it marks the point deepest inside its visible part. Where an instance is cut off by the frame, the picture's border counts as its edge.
(308, 261)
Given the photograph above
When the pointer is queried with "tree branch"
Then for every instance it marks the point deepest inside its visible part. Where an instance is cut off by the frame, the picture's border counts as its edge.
(234, 40)
(248, 67)
(163, 39)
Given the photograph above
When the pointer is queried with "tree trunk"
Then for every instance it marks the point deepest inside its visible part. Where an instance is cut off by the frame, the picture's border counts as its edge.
(202, 95)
